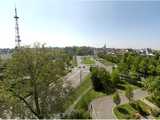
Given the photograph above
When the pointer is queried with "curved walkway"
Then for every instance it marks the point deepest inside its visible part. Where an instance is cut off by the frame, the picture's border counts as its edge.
(101, 108)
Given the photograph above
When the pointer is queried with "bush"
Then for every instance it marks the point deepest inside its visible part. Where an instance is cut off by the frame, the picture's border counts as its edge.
(116, 98)
(122, 110)
(134, 105)
(101, 80)
(155, 113)
(143, 111)
(129, 93)
(136, 116)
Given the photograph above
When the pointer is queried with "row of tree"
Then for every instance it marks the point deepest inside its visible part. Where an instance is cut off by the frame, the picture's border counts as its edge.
(79, 50)
(134, 64)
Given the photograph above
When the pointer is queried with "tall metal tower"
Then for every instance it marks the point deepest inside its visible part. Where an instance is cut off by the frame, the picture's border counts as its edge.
(17, 36)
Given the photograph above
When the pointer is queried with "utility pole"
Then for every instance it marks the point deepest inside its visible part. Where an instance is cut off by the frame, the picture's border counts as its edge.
(80, 75)
(17, 36)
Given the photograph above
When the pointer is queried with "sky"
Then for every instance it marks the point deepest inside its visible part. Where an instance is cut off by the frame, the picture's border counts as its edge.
(119, 24)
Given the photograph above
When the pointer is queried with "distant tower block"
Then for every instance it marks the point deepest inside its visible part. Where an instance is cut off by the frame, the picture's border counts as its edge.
(17, 36)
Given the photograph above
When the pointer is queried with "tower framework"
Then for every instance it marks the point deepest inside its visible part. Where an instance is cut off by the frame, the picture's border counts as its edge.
(17, 36)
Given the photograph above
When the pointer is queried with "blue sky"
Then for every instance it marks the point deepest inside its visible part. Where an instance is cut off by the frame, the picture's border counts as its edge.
(122, 24)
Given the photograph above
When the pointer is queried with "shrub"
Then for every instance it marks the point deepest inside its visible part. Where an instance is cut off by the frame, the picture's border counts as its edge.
(122, 110)
(134, 105)
(155, 113)
(101, 80)
(136, 115)
(116, 98)
(129, 93)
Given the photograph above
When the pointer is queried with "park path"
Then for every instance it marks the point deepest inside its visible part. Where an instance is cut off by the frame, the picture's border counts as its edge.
(101, 108)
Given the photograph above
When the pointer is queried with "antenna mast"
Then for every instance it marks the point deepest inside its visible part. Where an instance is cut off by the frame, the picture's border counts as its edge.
(17, 36)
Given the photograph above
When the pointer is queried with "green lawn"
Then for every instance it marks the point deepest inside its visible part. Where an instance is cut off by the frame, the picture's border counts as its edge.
(78, 91)
(84, 102)
(88, 60)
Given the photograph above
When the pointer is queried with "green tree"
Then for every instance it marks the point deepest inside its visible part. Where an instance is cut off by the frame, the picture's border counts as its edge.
(152, 84)
(143, 67)
(33, 79)
(116, 98)
(158, 69)
(101, 80)
(129, 93)
(151, 69)
(115, 77)
(123, 67)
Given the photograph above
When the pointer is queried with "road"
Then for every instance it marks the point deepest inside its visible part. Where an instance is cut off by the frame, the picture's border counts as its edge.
(76, 76)
(102, 107)
(78, 73)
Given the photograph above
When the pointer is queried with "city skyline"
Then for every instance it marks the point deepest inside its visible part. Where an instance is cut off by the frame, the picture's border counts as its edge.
(82, 23)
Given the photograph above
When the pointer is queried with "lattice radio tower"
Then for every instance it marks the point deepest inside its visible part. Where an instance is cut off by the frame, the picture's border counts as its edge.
(17, 36)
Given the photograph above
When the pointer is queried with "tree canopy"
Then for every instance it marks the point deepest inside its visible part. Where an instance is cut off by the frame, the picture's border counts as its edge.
(33, 82)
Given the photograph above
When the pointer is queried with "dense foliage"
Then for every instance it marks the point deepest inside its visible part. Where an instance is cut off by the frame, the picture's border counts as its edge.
(132, 66)
(101, 80)
(129, 93)
(32, 86)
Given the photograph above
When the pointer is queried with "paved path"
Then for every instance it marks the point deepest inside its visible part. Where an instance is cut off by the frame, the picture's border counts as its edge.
(102, 107)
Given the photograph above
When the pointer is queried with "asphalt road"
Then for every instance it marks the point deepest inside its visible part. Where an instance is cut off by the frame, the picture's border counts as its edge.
(78, 73)
(76, 76)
